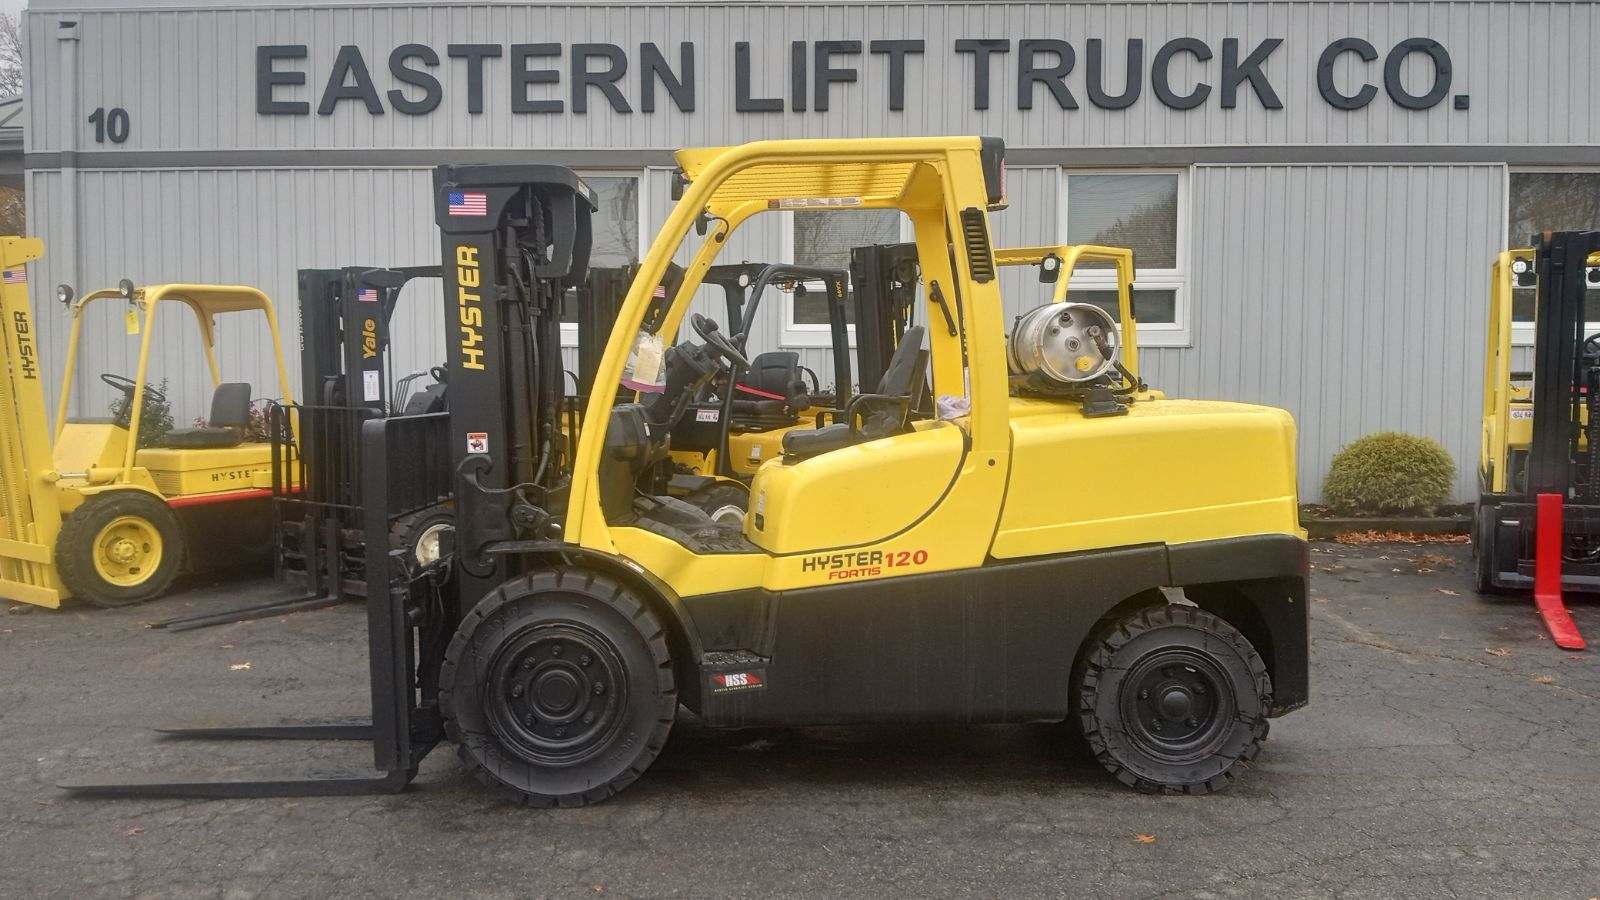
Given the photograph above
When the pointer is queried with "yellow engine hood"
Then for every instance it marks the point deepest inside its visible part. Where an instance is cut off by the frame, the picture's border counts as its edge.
(1170, 471)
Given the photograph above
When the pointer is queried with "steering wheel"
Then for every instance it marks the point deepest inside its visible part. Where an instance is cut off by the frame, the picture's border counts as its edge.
(718, 341)
(128, 385)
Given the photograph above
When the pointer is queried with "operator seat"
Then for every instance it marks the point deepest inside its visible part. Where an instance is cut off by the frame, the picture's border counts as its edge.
(886, 412)
(230, 415)
(774, 372)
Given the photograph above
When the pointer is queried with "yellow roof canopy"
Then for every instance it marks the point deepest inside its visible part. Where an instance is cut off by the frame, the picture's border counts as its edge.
(205, 299)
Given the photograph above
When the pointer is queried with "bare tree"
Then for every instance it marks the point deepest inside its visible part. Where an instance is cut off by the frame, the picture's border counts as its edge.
(10, 55)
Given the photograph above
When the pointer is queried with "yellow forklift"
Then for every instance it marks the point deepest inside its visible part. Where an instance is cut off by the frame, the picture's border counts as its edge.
(1537, 521)
(1047, 541)
(85, 510)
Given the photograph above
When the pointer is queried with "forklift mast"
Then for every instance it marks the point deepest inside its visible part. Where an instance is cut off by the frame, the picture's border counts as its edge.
(30, 516)
(883, 278)
(345, 315)
(1565, 382)
(515, 238)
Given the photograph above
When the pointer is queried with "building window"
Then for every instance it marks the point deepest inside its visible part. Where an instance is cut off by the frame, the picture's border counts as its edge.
(1550, 201)
(1143, 211)
(824, 240)
(616, 236)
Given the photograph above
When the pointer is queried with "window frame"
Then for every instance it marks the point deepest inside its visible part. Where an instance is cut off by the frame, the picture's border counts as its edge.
(569, 330)
(796, 335)
(1522, 332)
(1150, 334)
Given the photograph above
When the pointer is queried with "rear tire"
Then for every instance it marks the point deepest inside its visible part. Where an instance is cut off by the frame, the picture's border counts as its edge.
(559, 688)
(119, 548)
(418, 533)
(1172, 700)
(725, 502)
(1483, 554)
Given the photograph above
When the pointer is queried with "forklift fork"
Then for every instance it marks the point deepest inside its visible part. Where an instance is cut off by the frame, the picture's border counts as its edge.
(404, 725)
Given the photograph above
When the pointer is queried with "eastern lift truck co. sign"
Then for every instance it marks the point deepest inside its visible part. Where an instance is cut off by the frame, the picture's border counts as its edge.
(555, 78)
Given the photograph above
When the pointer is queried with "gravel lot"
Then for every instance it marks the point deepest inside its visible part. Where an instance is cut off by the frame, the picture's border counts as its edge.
(1449, 748)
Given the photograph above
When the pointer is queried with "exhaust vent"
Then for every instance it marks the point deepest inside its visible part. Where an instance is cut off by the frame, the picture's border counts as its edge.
(975, 234)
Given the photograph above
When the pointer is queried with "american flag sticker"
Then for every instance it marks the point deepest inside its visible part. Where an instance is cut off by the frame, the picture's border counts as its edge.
(468, 203)
(367, 295)
(660, 292)
(19, 275)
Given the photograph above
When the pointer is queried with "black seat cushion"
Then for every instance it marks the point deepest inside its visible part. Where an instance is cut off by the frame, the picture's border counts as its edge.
(230, 415)
(230, 405)
(203, 437)
(767, 408)
(903, 378)
(777, 372)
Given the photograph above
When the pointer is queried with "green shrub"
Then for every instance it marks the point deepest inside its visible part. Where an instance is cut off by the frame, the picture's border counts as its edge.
(1389, 472)
(155, 418)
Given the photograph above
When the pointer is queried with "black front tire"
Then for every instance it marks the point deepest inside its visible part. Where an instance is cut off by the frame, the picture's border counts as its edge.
(83, 530)
(559, 688)
(1172, 700)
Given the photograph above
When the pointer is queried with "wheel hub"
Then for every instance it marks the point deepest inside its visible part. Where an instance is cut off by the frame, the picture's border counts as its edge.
(127, 551)
(557, 693)
(1175, 703)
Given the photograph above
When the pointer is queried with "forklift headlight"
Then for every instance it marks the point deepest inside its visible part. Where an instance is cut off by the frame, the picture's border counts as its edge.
(125, 288)
(1592, 276)
(1519, 267)
(64, 294)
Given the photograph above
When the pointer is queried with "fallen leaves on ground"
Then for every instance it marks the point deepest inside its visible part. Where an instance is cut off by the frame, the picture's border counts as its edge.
(1447, 592)
(1399, 537)
(239, 667)
(1145, 838)
(1497, 651)
(135, 831)
(1543, 679)
(1435, 561)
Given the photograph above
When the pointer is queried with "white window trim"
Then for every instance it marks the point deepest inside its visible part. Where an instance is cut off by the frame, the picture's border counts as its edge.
(1522, 332)
(796, 335)
(1153, 334)
(569, 330)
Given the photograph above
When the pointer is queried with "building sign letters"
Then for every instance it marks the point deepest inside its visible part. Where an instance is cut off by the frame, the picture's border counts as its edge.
(555, 78)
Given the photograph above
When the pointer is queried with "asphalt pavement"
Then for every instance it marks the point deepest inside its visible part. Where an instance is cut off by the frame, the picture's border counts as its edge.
(1449, 749)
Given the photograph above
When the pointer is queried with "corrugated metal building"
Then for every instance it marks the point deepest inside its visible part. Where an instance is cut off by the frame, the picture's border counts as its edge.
(1314, 189)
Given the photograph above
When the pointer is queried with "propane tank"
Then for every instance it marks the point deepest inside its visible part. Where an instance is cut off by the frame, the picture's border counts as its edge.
(1071, 343)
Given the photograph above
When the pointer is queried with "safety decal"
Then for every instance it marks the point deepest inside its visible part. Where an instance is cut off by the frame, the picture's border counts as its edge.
(706, 415)
(730, 682)
(477, 442)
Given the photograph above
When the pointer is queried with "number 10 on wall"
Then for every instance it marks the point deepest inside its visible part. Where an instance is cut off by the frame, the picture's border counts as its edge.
(110, 124)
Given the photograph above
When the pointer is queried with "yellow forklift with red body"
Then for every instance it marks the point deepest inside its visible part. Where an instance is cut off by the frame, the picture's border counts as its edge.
(1054, 542)
(89, 510)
